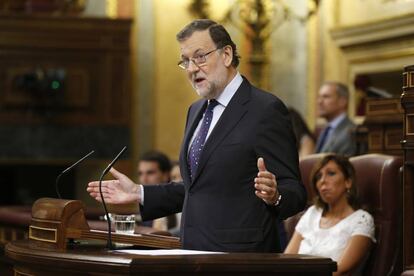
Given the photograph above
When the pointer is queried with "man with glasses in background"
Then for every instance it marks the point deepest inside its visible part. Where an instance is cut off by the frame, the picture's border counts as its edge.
(238, 159)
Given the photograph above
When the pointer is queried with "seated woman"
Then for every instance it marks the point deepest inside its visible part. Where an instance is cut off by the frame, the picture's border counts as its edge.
(335, 226)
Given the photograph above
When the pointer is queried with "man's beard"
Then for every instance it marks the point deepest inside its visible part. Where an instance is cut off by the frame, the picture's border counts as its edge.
(208, 91)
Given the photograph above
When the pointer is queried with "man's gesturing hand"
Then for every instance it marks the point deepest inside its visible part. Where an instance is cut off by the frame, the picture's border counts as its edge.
(265, 184)
(120, 190)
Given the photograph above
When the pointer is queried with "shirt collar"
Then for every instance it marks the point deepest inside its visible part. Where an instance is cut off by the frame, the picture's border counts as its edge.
(229, 91)
(335, 122)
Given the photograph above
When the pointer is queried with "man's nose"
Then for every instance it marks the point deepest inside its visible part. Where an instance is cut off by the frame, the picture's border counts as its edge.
(192, 67)
(143, 179)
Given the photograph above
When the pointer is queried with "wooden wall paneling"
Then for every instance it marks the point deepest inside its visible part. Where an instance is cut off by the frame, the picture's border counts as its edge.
(92, 110)
(383, 121)
(94, 53)
(407, 101)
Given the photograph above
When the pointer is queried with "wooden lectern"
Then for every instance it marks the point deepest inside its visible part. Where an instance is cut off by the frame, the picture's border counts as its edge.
(56, 221)
(88, 259)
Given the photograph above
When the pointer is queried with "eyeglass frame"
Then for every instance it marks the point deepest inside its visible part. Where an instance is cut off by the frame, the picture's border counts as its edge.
(203, 57)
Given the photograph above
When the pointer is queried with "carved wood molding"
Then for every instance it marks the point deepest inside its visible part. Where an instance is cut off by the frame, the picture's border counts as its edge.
(374, 31)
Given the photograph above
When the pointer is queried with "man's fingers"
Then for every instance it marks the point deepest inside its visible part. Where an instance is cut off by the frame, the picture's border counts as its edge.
(266, 175)
(268, 179)
(265, 182)
(264, 196)
(264, 188)
(93, 184)
(115, 173)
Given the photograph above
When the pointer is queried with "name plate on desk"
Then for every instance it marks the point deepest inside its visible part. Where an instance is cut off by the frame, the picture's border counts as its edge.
(55, 221)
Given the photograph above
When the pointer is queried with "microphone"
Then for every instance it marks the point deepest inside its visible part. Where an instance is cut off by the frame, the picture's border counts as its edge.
(68, 169)
(108, 219)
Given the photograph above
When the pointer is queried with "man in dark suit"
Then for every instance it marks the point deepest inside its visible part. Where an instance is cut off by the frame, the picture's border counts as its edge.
(337, 136)
(239, 160)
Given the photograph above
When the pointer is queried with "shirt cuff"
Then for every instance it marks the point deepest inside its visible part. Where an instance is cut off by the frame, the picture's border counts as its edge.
(141, 187)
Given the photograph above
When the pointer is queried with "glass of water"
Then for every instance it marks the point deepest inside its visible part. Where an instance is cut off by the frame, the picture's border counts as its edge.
(124, 224)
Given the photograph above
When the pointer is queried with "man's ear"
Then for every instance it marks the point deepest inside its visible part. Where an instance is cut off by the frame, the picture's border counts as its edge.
(343, 102)
(228, 55)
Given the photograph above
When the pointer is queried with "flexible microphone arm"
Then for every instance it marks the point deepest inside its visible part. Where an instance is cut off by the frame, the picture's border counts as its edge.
(68, 169)
(108, 219)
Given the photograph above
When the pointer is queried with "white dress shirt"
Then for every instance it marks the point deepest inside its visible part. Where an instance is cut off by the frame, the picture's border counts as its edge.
(223, 99)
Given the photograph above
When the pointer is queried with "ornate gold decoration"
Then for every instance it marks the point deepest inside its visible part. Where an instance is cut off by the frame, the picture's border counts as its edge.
(257, 19)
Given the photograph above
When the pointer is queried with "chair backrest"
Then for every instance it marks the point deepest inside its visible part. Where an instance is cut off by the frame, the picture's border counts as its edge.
(379, 185)
(379, 182)
(306, 165)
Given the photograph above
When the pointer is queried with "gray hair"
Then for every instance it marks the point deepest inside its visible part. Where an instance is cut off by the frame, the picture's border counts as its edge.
(340, 88)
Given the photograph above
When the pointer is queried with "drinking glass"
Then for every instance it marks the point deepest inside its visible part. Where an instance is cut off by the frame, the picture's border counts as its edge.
(124, 224)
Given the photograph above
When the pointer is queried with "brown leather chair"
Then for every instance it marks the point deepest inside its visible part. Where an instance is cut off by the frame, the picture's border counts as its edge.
(379, 186)
(306, 165)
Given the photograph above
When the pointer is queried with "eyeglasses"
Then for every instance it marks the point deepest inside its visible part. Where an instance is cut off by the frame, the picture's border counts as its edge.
(198, 60)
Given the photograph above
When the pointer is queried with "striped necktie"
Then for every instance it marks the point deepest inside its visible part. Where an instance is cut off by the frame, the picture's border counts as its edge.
(200, 139)
(323, 139)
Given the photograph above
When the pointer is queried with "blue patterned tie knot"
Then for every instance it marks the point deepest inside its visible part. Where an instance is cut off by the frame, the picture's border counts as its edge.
(200, 139)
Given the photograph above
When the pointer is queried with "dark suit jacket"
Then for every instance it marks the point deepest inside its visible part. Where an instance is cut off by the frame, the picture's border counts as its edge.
(341, 140)
(220, 209)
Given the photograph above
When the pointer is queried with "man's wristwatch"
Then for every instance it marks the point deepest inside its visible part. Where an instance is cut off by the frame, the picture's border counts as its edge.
(278, 200)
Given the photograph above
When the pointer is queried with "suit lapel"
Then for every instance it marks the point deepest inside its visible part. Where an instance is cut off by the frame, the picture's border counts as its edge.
(333, 138)
(234, 111)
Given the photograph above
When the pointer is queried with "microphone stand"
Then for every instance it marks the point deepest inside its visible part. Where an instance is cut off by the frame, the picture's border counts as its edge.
(108, 219)
(66, 170)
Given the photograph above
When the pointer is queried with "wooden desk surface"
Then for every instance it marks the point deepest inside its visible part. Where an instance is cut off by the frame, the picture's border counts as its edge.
(88, 259)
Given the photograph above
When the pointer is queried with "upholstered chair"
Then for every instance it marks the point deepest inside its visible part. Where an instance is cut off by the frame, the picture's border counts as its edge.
(379, 184)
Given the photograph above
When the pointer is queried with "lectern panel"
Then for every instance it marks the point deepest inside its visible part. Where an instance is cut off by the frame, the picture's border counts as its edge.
(89, 259)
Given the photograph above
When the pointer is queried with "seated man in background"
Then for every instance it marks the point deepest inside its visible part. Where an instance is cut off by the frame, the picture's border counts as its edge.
(154, 167)
(335, 226)
(337, 136)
